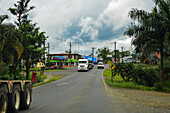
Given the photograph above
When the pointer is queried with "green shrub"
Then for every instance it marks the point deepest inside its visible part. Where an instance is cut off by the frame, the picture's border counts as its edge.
(167, 69)
(160, 87)
(4, 72)
(125, 70)
(152, 76)
(146, 76)
(140, 75)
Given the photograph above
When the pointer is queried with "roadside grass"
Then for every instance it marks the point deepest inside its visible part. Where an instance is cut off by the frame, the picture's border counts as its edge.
(120, 83)
(107, 73)
(46, 69)
(39, 79)
(54, 78)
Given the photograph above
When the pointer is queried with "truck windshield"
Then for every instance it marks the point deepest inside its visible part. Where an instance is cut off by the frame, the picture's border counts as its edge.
(82, 61)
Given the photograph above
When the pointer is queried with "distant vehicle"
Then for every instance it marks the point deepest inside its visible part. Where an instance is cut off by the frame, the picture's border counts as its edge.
(100, 65)
(91, 66)
(83, 65)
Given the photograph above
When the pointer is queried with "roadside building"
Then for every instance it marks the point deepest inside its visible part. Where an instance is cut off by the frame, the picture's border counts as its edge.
(64, 58)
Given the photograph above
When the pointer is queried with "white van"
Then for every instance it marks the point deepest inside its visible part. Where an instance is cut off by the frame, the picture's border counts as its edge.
(83, 65)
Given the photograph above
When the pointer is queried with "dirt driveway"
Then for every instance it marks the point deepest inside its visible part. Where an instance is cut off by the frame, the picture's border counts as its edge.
(137, 101)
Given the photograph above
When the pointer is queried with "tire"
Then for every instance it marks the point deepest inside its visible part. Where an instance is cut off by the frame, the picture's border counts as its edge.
(26, 97)
(3, 101)
(14, 100)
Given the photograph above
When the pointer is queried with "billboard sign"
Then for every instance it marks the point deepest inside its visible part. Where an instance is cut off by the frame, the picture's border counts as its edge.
(90, 58)
(109, 56)
(60, 58)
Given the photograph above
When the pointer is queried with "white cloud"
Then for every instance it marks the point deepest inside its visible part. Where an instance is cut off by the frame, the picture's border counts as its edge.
(117, 11)
(56, 16)
(89, 28)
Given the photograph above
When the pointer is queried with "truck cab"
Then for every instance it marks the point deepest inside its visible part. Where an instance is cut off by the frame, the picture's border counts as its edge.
(83, 65)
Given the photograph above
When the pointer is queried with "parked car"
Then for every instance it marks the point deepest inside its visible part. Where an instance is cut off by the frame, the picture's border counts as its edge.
(100, 65)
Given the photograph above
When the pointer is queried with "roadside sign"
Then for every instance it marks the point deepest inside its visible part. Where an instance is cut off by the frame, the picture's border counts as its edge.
(112, 66)
(109, 62)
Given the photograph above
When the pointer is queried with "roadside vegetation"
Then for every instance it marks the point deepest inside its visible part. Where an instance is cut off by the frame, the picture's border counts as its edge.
(128, 75)
(40, 76)
(151, 32)
(54, 78)
(21, 43)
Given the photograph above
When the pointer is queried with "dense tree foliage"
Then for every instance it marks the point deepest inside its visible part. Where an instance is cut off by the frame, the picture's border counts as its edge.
(11, 48)
(103, 54)
(152, 33)
(25, 38)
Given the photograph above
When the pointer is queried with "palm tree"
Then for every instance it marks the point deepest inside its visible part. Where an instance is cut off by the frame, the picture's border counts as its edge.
(152, 30)
(10, 46)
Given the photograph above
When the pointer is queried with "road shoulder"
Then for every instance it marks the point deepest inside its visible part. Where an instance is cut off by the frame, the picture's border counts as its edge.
(138, 100)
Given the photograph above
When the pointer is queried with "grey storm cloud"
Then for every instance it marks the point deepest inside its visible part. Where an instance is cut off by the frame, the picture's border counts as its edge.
(89, 22)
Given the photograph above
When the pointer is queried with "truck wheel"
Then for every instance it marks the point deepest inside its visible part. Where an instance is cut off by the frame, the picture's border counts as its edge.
(26, 97)
(14, 100)
(3, 101)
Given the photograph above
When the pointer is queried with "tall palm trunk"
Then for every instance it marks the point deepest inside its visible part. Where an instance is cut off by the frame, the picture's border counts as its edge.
(1, 61)
(162, 78)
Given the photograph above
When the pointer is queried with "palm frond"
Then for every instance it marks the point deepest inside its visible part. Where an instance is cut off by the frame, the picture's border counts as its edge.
(2, 18)
(18, 47)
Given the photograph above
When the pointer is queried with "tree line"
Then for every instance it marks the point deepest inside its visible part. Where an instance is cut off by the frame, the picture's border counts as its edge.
(150, 32)
(21, 41)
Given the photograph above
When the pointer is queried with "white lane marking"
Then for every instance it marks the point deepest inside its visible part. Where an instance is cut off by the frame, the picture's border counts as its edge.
(62, 84)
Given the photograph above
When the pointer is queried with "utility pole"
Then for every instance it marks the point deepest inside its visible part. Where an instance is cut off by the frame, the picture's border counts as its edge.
(44, 49)
(92, 53)
(78, 46)
(48, 58)
(48, 50)
(122, 53)
(70, 44)
(115, 52)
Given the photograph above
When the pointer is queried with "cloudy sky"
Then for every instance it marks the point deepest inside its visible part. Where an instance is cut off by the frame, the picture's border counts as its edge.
(86, 23)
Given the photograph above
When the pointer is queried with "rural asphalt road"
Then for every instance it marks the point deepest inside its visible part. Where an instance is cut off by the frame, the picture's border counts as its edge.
(80, 92)
(84, 92)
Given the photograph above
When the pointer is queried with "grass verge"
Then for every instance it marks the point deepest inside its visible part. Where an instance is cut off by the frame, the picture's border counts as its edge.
(120, 83)
(54, 78)
(131, 85)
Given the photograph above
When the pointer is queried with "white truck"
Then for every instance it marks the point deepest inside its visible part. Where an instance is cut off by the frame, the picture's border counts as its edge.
(15, 95)
(83, 65)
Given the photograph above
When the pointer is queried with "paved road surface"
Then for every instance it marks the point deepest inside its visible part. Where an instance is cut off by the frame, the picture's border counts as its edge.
(69, 71)
(80, 92)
